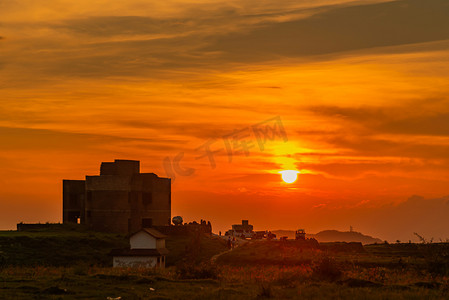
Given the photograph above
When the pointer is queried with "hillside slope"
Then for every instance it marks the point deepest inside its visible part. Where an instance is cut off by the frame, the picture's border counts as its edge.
(70, 247)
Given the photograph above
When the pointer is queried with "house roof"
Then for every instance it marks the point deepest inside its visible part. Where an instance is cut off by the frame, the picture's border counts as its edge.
(139, 252)
(151, 231)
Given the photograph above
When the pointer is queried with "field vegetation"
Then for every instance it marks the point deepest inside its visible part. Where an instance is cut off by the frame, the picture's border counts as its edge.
(255, 270)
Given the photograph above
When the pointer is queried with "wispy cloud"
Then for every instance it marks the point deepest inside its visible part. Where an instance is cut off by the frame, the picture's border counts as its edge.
(136, 45)
(361, 87)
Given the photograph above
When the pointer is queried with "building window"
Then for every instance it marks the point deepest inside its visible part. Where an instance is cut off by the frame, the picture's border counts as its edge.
(132, 197)
(147, 222)
(147, 198)
(129, 225)
(73, 200)
(73, 216)
(88, 214)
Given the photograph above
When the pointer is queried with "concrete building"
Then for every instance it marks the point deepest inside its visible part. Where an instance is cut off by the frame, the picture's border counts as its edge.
(120, 199)
(244, 230)
(147, 250)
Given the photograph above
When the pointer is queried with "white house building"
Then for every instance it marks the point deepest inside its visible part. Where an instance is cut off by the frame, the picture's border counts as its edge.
(147, 250)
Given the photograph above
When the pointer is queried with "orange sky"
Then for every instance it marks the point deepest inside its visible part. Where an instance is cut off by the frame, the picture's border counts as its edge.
(361, 88)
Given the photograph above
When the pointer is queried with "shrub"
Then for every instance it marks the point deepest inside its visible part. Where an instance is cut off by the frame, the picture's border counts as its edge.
(265, 291)
(197, 271)
(327, 269)
(2, 260)
(436, 259)
(80, 270)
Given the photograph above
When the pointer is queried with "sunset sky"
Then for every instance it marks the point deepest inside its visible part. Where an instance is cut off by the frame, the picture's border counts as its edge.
(361, 89)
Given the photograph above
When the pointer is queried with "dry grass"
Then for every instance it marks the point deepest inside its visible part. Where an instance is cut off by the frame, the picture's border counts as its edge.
(256, 270)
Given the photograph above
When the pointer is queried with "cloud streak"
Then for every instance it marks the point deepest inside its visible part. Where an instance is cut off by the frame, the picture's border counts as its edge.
(361, 87)
(105, 46)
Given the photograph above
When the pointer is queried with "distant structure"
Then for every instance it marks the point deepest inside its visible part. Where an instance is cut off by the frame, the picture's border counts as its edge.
(300, 234)
(177, 220)
(147, 250)
(243, 230)
(120, 199)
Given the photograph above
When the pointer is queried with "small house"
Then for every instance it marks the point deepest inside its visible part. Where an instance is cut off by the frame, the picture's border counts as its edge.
(147, 250)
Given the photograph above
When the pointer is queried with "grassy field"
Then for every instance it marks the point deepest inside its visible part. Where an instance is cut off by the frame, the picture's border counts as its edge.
(248, 282)
(75, 265)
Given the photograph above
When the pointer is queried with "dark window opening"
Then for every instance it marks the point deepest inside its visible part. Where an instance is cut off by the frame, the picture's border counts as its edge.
(147, 222)
(89, 196)
(88, 213)
(74, 216)
(147, 198)
(129, 225)
(133, 197)
(73, 200)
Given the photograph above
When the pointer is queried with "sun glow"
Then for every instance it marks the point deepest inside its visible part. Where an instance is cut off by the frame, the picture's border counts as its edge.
(289, 176)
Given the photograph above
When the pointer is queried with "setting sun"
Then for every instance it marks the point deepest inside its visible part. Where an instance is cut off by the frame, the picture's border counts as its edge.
(289, 176)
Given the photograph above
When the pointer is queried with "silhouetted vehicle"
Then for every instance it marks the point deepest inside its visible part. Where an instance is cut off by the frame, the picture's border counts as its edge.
(258, 235)
(270, 235)
(300, 234)
(283, 238)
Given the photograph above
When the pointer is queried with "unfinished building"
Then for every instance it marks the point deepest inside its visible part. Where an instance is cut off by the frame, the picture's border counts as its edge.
(120, 199)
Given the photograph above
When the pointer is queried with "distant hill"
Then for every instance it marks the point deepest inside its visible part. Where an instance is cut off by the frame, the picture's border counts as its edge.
(333, 236)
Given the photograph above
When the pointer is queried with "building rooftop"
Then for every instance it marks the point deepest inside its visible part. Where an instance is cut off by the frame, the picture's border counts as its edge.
(151, 231)
(120, 167)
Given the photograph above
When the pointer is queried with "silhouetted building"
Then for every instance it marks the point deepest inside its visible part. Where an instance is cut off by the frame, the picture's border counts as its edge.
(244, 230)
(120, 199)
(244, 227)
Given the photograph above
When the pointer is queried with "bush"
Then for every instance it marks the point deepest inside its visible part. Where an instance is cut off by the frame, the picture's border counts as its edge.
(265, 291)
(2, 260)
(437, 266)
(436, 259)
(327, 269)
(197, 271)
(80, 270)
